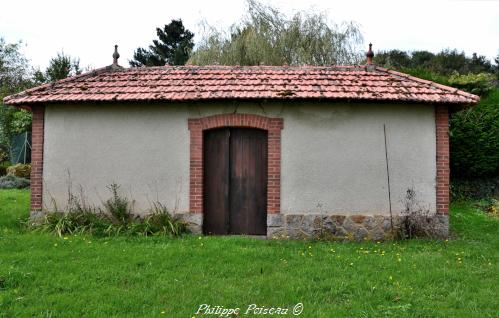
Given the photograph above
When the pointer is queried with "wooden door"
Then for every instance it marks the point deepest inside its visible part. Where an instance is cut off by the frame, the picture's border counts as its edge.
(235, 181)
(216, 181)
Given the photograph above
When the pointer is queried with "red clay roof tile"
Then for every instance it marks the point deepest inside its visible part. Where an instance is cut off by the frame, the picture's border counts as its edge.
(189, 83)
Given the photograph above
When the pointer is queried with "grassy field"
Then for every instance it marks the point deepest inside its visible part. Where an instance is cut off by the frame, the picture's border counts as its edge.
(46, 276)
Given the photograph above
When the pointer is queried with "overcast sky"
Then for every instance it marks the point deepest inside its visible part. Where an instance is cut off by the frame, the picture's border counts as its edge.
(88, 29)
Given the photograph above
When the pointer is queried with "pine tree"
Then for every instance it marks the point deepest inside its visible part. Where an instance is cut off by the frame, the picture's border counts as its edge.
(173, 47)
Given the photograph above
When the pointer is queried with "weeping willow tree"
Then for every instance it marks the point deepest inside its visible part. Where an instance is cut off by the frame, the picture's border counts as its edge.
(266, 36)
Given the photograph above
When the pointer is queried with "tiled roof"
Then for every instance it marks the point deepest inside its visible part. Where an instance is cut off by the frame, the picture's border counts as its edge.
(195, 83)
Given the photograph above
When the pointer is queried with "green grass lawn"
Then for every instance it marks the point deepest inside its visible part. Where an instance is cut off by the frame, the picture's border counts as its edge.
(46, 276)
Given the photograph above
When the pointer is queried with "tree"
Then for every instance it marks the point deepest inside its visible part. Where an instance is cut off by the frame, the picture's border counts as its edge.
(421, 59)
(173, 47)
(267, 36)
(15, 76)
(60, 67)
(479, 64)
(497, 66)
(393, 59)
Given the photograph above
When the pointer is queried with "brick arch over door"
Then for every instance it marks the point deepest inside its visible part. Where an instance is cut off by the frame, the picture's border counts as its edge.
(273, 126)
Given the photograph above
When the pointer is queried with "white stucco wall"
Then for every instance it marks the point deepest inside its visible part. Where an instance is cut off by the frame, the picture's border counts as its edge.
(333, 156)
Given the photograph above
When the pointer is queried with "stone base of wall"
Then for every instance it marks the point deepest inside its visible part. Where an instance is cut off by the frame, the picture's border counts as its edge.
(325, 226)
(352, 227)
(194, 221)
(37, 217)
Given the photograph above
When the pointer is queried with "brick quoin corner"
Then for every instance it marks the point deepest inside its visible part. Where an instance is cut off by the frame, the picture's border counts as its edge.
(37, 137)
(443, 170)
(273, 126)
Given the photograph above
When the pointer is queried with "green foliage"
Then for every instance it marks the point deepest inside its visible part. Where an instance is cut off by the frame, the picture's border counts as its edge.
(269, 37)
(80, 218)
(173, 47)
(13, 121)
(474, 139)
(15, 76)
(92, 222)
(15, 72)
(479, 84)
(20, 170)
(426, 74)
(445, 62)
(474, 189)
(394, 59)
(10, 181)
(161, 222)
(4, 156)
(60, 67)
(76, 222)
(119, 207)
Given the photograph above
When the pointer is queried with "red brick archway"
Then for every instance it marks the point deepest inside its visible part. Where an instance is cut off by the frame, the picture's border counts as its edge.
(272, 125)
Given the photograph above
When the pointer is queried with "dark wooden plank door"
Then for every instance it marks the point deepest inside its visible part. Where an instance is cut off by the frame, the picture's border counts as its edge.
(248, 182)
(216, 181)
(235, 181)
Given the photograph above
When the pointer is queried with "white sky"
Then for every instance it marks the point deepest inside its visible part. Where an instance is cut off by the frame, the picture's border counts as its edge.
(89, 29)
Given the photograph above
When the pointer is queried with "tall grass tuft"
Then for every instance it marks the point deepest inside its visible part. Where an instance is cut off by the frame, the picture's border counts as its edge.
(162, 222)
(81, 218)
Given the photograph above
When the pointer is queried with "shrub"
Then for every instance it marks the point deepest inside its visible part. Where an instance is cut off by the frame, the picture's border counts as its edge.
(427, 75)
(20, 170)
(479, 84)
(417, 221)
(10, 181)
(464, 190)
(120, 208)
(474, 140)
(3, 155)
(3, 171)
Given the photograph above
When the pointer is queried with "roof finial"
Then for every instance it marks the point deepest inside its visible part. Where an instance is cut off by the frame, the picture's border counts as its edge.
(370, 55)
(116, 55)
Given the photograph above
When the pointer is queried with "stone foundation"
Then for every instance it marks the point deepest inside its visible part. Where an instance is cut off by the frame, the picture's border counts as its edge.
(194, 221)
(337, 227)
(325, 226)
(351, 227)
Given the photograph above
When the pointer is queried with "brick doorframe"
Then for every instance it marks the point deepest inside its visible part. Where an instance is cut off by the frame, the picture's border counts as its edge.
(273, 126)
